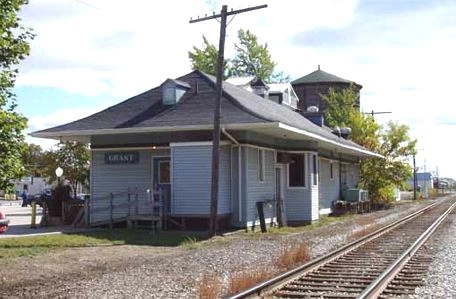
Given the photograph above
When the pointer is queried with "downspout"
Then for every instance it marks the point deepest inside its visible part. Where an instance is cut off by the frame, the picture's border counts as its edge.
(239, 171)
(340, 178)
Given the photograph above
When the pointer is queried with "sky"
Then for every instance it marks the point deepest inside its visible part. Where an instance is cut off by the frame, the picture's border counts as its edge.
(91, 54)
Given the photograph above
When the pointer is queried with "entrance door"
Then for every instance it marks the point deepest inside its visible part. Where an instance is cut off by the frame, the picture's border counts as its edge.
(162, 181)
(279, 195)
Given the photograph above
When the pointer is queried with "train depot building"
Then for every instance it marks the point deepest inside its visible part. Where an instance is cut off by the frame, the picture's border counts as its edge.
(162, 140)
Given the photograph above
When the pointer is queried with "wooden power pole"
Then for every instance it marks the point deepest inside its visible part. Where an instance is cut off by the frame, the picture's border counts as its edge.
(217, 111)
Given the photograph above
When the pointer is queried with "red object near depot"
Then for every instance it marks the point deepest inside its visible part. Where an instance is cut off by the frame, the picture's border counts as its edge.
(3, 222)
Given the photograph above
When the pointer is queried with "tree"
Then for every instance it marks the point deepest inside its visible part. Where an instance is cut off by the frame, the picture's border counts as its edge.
(205, 59)
(378, 176)
(341, 106)
(381, 176)
(14, 47)
(342, 111)
(32, 159)
(73, 158)
(251, 59)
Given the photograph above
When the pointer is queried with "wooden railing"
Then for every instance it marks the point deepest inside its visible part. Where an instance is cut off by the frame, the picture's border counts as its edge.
(129, 208)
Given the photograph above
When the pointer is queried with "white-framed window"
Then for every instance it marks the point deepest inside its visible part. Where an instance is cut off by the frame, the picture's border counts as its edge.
(297, 171)
(261, 165)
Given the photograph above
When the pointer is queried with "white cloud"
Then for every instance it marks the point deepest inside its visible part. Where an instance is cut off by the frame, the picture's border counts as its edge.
(41, 122)
(403, 55)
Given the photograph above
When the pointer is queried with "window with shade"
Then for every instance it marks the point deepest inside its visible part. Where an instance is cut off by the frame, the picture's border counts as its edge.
(297, 171)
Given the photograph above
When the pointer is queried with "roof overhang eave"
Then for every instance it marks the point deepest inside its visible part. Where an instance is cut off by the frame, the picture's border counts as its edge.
(321, 139)
(71, 133)
(64, 135)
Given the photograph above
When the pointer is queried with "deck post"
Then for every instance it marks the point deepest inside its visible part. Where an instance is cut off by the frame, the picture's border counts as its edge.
(111, 205)
(136, 202)
(86, 212)
(160, 208)
(129, 203)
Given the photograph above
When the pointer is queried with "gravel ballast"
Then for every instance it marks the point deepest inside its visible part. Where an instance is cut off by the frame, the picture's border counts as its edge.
(144, 272)
(441, 279)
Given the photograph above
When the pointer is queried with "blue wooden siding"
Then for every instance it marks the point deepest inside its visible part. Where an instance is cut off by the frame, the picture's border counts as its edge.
(235, 186)
(191, 180)
(329, 188)
(255, 190)
(120, 180)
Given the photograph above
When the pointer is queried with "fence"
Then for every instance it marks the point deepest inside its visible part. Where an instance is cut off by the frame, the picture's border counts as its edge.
(127, 206)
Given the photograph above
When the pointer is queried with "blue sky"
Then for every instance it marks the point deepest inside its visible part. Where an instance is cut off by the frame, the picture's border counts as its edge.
(91, 54)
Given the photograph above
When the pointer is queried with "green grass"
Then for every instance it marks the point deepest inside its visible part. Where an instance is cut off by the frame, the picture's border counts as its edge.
(30, 246)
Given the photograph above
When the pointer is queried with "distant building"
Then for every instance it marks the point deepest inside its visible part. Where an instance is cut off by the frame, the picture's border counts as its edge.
(281, 93)
(424, 181)
(32, 185)
(310, 87)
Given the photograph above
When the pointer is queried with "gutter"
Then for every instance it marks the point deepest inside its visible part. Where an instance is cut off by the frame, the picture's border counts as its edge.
(323, 139)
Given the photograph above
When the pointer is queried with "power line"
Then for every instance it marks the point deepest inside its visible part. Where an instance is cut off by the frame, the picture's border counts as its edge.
(85, 3)
(372, 113)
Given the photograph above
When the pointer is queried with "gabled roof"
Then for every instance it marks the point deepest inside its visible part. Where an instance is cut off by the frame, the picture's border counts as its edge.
(241, 109)
(320, 76)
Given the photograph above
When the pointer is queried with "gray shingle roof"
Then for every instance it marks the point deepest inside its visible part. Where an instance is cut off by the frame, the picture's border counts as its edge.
(195, 108)
(320, 76)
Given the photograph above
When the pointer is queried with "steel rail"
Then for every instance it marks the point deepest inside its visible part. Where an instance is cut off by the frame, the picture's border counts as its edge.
(382, 281)
(290, 275)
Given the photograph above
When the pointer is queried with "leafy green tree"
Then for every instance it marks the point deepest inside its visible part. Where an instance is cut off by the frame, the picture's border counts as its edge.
(381, 176)
(251, 59)
(14, 47)
(73, 158)
(378, 176)
(341, 105)
(32, 159)
(205, 59)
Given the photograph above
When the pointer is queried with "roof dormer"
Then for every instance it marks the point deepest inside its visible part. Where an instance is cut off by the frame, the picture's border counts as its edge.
(173, 90)
(260, 88)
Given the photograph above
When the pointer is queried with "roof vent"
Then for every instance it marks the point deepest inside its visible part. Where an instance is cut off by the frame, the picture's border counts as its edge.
(342, 132)
(313, 109)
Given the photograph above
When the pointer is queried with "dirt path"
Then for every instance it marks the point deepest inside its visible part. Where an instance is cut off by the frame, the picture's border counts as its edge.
(73, 264)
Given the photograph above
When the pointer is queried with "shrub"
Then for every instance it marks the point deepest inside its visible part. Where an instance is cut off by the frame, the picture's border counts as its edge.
(210, 286)
(293, 255)
(240, 281)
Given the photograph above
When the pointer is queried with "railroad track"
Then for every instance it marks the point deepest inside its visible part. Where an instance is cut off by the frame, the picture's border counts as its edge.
(365, 268)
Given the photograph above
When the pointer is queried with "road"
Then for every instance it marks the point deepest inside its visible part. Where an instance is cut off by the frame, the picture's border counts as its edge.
(20, 221)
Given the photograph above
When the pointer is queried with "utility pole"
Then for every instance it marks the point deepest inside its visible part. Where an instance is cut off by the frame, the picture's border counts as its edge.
(414, 177)
(217, 111)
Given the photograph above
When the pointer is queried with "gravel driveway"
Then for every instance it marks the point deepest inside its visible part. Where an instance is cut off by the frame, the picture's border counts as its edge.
(159, 272)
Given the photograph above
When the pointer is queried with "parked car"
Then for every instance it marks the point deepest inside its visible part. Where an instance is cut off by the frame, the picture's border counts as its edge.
(82, 196)
(42, 197)
(4, 222)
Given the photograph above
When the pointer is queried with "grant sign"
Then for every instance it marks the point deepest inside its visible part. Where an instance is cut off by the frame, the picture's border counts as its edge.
(121, 158)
